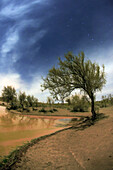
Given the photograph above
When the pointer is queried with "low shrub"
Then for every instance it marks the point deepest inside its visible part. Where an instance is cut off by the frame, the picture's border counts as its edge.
(80, 104)
(97, 109)
(55, 110)
(20, 110)
(28, 110)
(80, 107)
(34, 109)
(51, 110)
(42, 110)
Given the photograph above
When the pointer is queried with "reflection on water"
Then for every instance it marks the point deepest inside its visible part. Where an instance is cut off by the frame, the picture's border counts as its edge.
(16, 129)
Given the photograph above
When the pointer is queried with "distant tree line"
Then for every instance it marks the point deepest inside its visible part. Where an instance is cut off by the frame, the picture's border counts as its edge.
(107, 100)
(76, 103)
(19, 101)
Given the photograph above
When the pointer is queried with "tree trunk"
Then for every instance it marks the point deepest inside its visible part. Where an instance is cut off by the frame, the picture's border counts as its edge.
(62, 101)
(93, 107)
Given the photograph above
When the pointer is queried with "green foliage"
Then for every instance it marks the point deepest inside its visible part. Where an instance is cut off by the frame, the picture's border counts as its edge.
(22, 99)
(68, 100)
(73, 73)
(110, 99)
(20, 102)
(35, 102)
(106, 100)
(1, 99)
(97, 108)
(42, 110)
(55, 110)
(32, 101)
(20, 109)
(9, 94)
(80, 104)
(14, 104)
(51, 110)
(50, 100)
(27, 101)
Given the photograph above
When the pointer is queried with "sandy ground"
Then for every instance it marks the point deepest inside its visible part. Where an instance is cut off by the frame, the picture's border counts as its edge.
(88, 149)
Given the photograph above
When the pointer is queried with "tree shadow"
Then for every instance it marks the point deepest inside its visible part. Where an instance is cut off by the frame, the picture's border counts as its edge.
(85, 122)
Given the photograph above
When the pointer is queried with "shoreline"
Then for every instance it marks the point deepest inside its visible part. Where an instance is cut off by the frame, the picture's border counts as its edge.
(89, 148)
(9, 160)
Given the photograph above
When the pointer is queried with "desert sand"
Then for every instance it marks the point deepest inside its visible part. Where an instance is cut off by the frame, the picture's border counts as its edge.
(73, 149)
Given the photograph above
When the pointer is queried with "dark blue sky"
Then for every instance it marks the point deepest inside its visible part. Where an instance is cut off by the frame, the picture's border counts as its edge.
(33, 34)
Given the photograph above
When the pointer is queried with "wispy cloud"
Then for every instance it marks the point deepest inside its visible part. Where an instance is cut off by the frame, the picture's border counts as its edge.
(22, 35)
(33, 33)
(10, 41)
(11, 46)
(16, 10)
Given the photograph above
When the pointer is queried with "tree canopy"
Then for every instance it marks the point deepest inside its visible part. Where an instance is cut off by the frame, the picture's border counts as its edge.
(9, 94)
(75, 73)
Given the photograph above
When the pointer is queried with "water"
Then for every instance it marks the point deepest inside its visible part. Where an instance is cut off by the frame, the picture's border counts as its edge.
(17, 129)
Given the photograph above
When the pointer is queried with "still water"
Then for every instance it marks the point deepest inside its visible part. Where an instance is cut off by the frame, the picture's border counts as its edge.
(17, 129)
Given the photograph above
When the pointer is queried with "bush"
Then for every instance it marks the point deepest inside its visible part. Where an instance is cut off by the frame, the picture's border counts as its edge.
(80, 108)
(51, 111)
(20, 110)
(28, 109)
(55, 110)
(34, 109)
(80, 104)
(97, 109)
(42, 110)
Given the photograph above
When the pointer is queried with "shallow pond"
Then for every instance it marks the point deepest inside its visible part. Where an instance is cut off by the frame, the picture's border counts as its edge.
(17, 129)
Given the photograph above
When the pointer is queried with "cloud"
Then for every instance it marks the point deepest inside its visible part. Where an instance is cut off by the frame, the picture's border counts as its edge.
(10, 79)
(35, 33)
(18, 41)
(32, 88)
(17, 10)
(23, 34)
(105, 91)
(14, 11)
(9, 42)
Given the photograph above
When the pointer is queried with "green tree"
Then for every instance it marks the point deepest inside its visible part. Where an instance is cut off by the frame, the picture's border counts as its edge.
(30, 100)
(50, 100)
(80, 103)
(22, 99)
(104, 101)
(61, 94)
(68, 100)
(9, 94)
(110, 99)
(75, 72)
(35, 102)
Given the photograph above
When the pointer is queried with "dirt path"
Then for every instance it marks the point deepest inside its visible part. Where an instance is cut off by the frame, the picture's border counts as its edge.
(88, 149)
